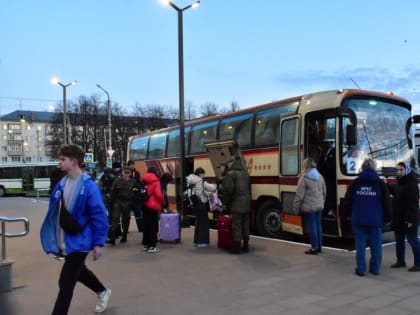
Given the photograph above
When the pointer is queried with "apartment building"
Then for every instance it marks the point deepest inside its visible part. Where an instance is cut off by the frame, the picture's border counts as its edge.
(23, 136)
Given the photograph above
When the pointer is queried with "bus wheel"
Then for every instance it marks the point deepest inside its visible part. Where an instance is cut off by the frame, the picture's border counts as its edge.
(269, 219)
(2, 192)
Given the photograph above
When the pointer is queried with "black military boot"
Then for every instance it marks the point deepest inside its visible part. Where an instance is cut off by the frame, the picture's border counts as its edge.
(245, 246)
(236, 249)
(111, 241)
(111, 238)
(124, 238)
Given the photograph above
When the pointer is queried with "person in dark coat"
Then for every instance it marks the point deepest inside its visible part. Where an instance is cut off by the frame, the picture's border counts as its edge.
(237, 198)
(327, 167)
(368, 203)
(405, 215)
(134, 174)
(165, 179)
(122, 203)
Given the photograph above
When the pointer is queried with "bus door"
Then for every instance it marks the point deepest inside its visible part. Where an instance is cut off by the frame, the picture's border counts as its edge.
(413, 137)
(27, 179)
(320, 144)
(291, 221)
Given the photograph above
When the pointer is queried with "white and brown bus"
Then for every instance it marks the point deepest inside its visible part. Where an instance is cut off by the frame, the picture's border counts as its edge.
(338, 128)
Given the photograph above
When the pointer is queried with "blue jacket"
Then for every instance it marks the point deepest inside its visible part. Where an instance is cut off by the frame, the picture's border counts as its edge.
(367, 200)
(87, 209)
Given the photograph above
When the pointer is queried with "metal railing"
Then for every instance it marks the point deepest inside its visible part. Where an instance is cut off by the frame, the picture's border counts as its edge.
(4, 234)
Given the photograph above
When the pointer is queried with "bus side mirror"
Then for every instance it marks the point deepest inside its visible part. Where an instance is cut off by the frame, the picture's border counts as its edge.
(351, 135)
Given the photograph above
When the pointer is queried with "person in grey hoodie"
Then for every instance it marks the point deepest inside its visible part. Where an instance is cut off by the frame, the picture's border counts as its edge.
(309, 201)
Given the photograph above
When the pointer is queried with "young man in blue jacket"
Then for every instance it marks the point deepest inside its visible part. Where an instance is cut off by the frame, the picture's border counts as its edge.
(78, 194)
(368, 203)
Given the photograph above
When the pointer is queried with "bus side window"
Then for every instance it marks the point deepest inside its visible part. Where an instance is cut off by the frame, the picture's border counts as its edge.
(138, 148)
(201, 134)
(268, 126)
(173, 143)
(237, 127)
(174, 149)
(157, 146)
(289, 147)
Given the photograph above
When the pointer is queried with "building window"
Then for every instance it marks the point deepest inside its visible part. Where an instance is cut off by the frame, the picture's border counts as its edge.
(15, 127)
(4, 159)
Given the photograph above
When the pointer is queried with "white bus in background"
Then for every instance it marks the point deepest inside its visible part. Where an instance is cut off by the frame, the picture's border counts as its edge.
(22, 178)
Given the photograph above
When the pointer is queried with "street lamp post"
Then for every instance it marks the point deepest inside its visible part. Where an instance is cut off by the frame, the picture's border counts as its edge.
(110, 151)
(64, 86)
(181, 89)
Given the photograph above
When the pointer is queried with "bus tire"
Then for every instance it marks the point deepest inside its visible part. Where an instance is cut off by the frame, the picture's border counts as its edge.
(2, 192)
(268, 220)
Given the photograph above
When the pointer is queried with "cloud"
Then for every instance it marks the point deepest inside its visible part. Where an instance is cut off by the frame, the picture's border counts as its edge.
(402, 81)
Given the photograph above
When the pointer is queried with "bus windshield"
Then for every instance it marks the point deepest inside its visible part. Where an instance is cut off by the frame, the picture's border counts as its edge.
(380, 134)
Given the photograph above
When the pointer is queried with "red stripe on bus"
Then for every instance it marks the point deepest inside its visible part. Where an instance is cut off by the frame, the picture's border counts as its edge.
(274, 180)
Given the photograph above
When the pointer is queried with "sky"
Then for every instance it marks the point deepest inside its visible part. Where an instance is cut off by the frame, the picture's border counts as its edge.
(248, 52)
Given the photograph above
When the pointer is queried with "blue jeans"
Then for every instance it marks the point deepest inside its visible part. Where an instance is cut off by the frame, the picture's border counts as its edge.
(361, 235)
(411, 235)
(313, 224)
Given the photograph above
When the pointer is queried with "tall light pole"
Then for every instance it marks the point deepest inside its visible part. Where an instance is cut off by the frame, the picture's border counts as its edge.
(110, 151)
(64, 86)
(181, 89)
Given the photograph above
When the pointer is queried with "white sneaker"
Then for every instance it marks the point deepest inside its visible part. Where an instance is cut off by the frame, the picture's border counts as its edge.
(103, 301)
(145, 248)
(153, 250)
(331, 213)
(203, 245)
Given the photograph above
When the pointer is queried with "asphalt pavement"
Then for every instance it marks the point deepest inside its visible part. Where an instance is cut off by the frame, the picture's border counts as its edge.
(276, 277)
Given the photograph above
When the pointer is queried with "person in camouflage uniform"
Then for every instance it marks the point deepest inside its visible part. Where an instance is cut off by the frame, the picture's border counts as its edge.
(237, 198)
(122, 203)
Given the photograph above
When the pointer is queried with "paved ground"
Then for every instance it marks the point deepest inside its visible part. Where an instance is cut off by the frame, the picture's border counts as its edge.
(275, 278)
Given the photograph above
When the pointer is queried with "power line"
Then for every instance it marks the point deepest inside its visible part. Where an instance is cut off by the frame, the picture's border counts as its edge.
(29, 99)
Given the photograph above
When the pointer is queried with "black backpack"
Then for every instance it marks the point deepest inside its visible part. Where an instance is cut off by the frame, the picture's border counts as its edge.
(140, 192)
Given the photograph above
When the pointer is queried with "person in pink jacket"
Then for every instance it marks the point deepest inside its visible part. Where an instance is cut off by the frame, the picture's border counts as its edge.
(151, 208)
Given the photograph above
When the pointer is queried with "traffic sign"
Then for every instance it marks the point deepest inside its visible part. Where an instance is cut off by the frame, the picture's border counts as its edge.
(88, 157)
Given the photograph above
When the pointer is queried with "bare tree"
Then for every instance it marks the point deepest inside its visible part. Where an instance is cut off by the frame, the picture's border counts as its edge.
(88, 122)
(208, 109)
(189, 112)
(234, 106)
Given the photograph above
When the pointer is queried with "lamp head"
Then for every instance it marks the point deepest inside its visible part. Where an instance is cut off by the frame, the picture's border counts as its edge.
(55, 80)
